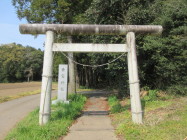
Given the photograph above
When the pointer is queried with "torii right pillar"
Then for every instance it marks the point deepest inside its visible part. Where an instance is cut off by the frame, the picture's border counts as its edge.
(136, 108)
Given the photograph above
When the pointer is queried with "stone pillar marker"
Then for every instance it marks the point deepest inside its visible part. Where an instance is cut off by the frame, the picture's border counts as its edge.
(136, 108)
(45, 100)
(62, 84)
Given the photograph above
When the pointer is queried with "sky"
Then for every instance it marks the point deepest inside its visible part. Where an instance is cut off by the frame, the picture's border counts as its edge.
(9, 28)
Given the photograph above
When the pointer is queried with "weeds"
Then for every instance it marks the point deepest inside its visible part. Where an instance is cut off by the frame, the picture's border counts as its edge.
(164, 118)
(115, 105)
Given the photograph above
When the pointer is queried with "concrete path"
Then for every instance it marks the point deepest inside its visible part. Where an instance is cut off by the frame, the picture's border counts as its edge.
(13, 111)
(95, 123)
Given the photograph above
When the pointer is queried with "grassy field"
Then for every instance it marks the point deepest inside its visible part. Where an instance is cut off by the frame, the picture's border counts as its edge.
(165, 118)
(62, 116)
(10, 91)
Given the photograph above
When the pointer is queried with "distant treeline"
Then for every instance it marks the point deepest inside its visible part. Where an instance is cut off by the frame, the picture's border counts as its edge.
(19, 63)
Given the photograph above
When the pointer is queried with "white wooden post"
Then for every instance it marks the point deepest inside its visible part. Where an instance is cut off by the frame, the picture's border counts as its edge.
(45, 101)
(71, 84)
(136, 108)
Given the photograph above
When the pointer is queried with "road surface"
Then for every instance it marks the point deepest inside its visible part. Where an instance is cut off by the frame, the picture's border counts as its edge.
(13, 111)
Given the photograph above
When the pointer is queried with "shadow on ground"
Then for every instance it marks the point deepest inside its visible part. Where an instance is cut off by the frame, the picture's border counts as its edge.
(96, 93)
(98, 113)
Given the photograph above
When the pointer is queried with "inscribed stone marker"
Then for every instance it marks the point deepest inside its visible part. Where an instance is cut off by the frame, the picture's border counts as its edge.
(62, 84)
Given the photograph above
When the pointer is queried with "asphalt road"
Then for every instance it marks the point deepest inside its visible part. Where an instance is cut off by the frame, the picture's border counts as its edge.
(13, 111)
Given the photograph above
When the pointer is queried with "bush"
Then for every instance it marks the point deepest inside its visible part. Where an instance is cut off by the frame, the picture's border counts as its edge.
(152, 96)
(177, 90)
(115, 105)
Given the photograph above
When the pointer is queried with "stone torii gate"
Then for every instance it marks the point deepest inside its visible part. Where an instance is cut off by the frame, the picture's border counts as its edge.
(85, 29)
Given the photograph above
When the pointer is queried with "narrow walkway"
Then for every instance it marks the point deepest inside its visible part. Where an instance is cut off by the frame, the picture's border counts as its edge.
(95, 123)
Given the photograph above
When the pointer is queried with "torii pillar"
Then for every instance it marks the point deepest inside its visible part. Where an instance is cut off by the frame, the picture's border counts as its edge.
(136, 108)
(45, 100)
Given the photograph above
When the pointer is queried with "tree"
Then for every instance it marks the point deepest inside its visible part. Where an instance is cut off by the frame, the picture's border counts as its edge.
(33, 61)
(16, 60)
(58, 59)
(50, 11)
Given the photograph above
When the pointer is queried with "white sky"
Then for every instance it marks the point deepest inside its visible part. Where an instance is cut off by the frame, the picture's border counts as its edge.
(9, 28)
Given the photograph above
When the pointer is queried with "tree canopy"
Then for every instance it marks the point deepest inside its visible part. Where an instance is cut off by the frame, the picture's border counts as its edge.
(162, 59)
(50, 11)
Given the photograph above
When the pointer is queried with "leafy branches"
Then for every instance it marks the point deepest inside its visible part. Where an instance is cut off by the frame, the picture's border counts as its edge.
(16, 59)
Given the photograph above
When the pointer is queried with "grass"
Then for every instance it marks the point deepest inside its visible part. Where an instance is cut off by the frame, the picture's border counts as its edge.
(8, 98)
(62, 116)
(164, 119)
(115, 105)
(19, 95)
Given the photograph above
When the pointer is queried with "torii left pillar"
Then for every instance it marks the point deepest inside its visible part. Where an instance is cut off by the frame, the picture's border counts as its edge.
(45, 100)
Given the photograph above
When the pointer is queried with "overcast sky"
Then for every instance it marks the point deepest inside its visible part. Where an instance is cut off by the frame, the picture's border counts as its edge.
(9, 28)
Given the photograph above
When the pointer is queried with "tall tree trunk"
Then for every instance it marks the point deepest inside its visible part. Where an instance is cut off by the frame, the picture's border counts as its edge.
(77, 77)
(90, 77)
(87, 76)
(71, 85)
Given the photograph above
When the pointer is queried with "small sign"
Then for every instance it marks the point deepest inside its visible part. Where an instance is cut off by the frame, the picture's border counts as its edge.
(63, 82)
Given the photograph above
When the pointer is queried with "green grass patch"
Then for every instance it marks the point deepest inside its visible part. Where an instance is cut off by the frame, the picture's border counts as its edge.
(8, 98)
(115, 105)
(164, 119)
(62, 116)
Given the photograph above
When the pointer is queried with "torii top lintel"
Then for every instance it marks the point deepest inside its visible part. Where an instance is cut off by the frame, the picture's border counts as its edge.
(89, 29)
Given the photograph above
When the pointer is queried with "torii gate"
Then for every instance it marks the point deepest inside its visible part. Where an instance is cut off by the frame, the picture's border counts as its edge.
(82, 29)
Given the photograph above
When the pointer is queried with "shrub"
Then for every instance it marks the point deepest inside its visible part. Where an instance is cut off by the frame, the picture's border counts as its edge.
(115, 105)
(177, 90)
(152, 96)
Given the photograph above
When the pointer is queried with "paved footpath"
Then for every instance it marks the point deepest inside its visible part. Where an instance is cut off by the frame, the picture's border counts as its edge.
(95, 123)
(13, 111)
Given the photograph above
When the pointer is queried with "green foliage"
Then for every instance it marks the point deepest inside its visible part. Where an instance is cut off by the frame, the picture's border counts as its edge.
(162, 60)
(16, 59)
(58, 59)
(177, 90)
(51, 11)
(115, 105)
(62, 117)
(152, 96)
